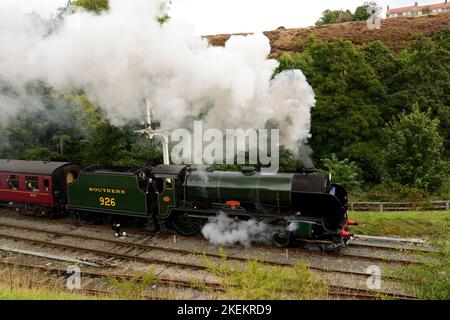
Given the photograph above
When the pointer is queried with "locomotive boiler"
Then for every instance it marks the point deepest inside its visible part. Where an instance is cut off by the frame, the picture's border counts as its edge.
(299, 206)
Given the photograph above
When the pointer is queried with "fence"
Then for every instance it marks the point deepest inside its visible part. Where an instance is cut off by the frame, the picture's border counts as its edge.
(400, 206)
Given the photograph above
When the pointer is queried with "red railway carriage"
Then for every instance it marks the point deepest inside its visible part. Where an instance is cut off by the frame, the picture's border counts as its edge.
(36, 186)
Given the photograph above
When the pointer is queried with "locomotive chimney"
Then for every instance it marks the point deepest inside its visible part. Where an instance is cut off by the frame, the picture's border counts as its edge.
(310, 170)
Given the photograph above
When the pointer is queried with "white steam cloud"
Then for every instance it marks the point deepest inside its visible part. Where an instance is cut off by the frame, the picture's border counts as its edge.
(123, 56)
(225, 231)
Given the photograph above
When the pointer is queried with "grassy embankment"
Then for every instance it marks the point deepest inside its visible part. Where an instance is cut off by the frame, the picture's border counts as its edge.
(423, 224)
(430, 280)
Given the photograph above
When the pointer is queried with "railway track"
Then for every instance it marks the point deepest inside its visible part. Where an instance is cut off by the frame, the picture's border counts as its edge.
(341, 254)
(150, 247)
(342, 292)
(389, 248)
(333, 291)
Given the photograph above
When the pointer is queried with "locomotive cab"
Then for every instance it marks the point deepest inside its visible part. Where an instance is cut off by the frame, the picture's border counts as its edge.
(168, 183)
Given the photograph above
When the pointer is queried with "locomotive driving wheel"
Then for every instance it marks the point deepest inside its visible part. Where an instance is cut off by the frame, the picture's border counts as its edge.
(185, 225)
(282, 239)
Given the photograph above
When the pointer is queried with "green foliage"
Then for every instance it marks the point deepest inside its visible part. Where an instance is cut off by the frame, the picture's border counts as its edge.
(442, 39)
(68, 127)
(426, 10)
(414, 152)
(424, 79)
(344, 172)
(339, 16)
(134, 288)
(361, 89)
(96, 6)
(163, 19)
(423, 224)
(164, 7)
(444, 191)
(361, 13)
(334, 16)
(390, 191)
(347, 118)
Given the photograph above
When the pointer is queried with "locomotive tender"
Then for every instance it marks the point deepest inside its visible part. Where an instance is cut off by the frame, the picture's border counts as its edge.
(300, 207)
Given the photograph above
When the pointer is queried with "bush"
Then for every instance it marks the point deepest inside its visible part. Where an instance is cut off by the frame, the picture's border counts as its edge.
(414, 152)
(443, 193)
(390, 191)
(343, 172)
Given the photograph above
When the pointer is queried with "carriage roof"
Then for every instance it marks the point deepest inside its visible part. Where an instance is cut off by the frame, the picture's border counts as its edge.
(31, 167)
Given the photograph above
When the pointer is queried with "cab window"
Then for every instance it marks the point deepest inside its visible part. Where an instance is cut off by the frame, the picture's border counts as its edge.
(168, 183)
(13, 182)
(142, 180)
(32, 184)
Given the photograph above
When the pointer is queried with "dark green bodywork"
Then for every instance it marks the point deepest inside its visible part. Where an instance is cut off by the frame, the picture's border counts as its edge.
(220, 186)
(86, 191)
(167, 199)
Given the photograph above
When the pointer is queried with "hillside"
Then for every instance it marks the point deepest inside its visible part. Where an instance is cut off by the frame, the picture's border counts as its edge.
(396, 33)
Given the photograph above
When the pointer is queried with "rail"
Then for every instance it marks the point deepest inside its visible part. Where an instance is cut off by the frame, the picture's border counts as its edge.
(400, 206)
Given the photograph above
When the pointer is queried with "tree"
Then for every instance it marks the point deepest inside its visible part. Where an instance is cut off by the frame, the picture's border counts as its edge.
(361, 13)
(346, 119)
(413, 154)
(334, 16)
(96, 6)
(424, 79)
(385, 65)
(364, 12)
(344, 172)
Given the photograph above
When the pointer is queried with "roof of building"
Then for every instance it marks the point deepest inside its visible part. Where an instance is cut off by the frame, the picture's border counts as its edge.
(30, 167)
(419, 8)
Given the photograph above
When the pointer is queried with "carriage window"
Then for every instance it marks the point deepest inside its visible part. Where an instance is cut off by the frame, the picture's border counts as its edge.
(13, 182)
(46, 185)
(168, 183)
(32, 184)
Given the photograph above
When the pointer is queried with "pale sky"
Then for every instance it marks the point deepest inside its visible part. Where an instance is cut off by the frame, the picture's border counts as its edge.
(229, 16)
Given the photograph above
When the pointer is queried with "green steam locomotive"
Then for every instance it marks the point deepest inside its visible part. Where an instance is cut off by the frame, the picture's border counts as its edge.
(302, 207)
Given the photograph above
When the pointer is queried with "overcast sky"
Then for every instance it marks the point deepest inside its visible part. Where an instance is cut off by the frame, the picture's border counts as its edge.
(228, 16)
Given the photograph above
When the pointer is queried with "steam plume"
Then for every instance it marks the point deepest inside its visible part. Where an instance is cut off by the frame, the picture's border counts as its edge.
(225, 231)
(125, 55)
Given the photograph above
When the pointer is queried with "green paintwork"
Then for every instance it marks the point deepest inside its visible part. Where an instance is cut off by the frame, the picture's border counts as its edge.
(164, 206)
(304, 228)
(220, 187)
(86, 191)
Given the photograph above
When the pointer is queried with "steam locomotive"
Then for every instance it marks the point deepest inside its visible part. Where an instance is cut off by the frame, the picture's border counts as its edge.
(302, 208)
